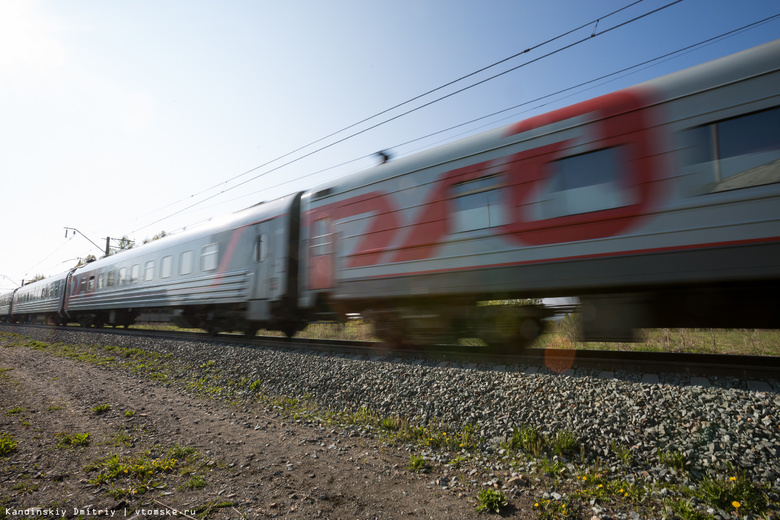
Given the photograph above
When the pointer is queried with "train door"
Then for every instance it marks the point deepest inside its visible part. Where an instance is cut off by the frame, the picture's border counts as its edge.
(262, 261)
(321, 250)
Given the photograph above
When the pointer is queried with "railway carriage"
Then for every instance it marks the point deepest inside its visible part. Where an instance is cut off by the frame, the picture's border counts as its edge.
(658, 205)
(37, 301)
(231, 274)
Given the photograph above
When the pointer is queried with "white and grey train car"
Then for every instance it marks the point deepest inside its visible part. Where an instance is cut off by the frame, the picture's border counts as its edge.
(234, 273)
(41, 301)
(658, 205)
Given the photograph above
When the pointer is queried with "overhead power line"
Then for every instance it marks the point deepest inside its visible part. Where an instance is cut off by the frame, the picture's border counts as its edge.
(350, 136)
(415, 98)
(624, 70)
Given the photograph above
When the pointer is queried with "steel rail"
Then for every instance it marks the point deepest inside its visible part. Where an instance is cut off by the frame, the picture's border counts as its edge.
(744, 367)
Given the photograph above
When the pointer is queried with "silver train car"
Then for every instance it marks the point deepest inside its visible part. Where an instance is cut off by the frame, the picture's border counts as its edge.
(657, 205)
(235, 273)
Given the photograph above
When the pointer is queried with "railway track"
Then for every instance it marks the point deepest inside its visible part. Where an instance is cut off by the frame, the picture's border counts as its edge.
(757, 371)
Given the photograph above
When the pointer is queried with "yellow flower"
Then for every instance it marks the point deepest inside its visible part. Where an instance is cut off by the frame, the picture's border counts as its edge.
(601, 486)
(621, 491)
(536, 504)
(736, 504)
(732, 479)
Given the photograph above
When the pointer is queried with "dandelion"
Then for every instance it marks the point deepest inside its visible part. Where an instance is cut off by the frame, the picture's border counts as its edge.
(732, 479)
(601, 486)
(736, 504)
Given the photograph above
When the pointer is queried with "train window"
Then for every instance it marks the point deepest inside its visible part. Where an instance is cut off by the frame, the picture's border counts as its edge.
(320, 238)
(122, 276)
(185, 264)
(261, 247)
(101, 281)
(209, 257)
(478, 204)
(83, 284)
(91, 283)
(149, 271)
(582, 184)
(166, 267)
(736, 153)
(110, 279)
(135, 271)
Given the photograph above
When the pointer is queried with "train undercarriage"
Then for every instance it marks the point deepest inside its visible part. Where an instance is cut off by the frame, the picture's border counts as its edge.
(502, 327)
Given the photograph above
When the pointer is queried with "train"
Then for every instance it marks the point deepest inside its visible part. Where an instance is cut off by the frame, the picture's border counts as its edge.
(656, 205)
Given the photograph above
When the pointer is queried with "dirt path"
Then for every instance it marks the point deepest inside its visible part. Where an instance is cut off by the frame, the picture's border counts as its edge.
(171, 450)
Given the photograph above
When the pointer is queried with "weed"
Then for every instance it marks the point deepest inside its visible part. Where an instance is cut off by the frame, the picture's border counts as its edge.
(255, 386)
(623, 452)
(673, 459)
(7, 444)
(129, 413)
(491, 500)
(67, 440)
(565, 442)
(553, 467)
(522, 439)
(416, 463)
(181, 452)
(738, 493)
(684, 510)
(554, 509)
(16, 410)
(390, 424)
(196, 482)
(100, 409)
(25, 487)
(205, 510)
(456, 462)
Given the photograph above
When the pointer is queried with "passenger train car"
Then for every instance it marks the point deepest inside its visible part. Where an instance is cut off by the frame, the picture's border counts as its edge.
(657, 205)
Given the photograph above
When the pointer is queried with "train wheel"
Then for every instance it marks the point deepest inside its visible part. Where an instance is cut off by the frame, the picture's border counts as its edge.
(250, 331)
(509, 329)
(289, 329)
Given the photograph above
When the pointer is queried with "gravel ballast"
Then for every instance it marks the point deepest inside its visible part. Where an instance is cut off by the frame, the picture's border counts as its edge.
(715, 430)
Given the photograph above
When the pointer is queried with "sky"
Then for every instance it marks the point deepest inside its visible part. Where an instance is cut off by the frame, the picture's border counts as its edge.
(131, 118)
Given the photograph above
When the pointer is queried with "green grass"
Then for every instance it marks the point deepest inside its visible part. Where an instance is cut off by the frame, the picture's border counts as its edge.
(130, 475)
(72, 440)
(416, 463)
(563, 334)
(491, 500)
(7, 444)
(100, 409)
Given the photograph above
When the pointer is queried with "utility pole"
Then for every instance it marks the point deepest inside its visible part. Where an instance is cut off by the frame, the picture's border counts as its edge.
(75, 231)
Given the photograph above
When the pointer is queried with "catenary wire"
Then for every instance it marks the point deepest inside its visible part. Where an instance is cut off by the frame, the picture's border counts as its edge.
(623, 71)
(410, 100)
(350, 136)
